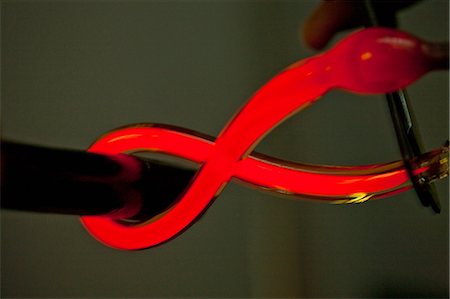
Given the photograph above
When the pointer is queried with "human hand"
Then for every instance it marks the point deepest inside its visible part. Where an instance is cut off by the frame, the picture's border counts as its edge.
(333, 16)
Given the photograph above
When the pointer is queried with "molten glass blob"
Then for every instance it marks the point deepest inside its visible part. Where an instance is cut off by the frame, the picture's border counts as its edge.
(370, 61)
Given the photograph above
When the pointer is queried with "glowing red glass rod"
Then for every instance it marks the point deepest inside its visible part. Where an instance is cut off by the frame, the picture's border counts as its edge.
(371, 61)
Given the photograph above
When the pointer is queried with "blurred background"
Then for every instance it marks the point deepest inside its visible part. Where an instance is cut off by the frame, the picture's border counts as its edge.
(73, 70)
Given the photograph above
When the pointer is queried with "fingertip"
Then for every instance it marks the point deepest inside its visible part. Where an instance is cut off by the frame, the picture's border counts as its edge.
(437, 54)
(314, 31)
(327, 19)
(313, 39)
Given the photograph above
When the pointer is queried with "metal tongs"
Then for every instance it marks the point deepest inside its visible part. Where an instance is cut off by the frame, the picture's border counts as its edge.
(404, 123)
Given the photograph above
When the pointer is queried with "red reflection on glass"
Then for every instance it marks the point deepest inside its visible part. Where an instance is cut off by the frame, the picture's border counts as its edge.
(371, 61)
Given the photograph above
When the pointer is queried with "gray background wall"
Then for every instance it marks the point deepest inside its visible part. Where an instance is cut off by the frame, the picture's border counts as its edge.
(72, 70)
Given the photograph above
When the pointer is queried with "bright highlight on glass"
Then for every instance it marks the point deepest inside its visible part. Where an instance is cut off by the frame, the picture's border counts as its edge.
(371, 61)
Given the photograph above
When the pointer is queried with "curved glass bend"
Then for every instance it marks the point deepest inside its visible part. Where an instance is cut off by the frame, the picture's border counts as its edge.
(371, 61)
(329, 183)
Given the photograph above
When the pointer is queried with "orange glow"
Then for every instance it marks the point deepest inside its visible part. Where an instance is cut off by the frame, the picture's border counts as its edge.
(372, 61)
(366, 56)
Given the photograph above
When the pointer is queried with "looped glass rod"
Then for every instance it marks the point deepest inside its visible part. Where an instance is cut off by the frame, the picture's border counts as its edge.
(370, 61)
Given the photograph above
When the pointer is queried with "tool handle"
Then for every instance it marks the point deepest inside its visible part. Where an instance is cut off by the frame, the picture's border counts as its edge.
(50, 180)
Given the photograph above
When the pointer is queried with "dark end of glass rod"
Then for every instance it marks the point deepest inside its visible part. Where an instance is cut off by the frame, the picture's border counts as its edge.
(39, 179)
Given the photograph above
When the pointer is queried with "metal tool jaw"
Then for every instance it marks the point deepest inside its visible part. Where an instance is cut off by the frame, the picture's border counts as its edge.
(436, 165)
